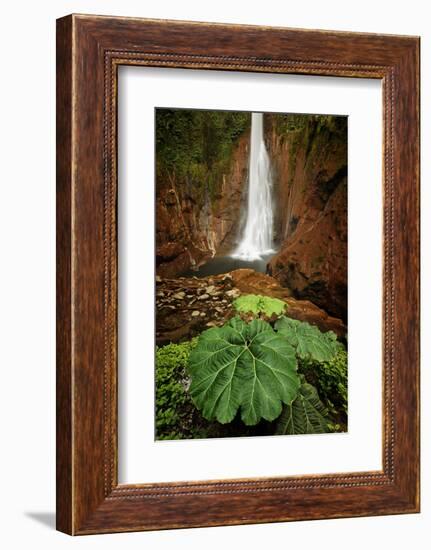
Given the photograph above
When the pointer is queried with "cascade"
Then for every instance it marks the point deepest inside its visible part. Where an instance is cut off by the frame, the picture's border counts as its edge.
(257, 237)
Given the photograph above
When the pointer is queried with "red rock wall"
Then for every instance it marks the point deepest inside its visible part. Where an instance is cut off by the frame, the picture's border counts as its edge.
(310, 187)
(192, 226)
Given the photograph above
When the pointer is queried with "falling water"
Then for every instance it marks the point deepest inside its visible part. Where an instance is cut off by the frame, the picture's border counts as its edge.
(256, 240)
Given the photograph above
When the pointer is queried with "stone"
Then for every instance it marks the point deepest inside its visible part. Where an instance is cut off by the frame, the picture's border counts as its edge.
(249, 281)
(234, 293)
(203, 297)
(210, 289)
(179, 295)
(176, 324)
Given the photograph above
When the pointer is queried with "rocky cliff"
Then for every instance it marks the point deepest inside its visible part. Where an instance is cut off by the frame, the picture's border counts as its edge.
(198, 201)
(309, 160)
(201, 179)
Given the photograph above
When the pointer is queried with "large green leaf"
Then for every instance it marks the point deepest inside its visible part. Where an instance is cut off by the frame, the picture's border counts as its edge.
(242, 366)
(305, 415)
(307, 339)
(256, 304)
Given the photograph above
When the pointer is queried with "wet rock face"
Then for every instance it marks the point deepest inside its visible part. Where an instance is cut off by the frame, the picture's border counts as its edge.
(310, 187)
(187, 306)
(191, 225)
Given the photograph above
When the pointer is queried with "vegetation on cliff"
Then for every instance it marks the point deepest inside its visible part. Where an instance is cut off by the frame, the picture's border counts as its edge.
(197, 145)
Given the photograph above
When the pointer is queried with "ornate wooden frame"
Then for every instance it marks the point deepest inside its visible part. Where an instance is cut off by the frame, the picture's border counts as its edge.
(89, 51)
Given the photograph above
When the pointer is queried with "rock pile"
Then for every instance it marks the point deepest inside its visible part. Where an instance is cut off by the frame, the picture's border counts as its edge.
(188, 305)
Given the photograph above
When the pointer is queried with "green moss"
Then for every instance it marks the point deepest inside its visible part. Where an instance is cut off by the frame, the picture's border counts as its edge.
(175, 411)
(286, 123)
(197, 145)
(307, 132)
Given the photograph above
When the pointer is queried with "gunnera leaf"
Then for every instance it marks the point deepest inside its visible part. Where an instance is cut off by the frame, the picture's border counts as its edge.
(307, 339)
(305, 415)
(255, 303)
(242, 366)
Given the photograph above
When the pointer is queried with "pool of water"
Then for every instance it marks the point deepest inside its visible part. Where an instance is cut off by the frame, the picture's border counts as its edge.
(224, 264)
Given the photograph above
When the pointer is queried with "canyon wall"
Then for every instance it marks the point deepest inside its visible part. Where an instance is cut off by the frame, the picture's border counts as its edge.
(309, 161)
(202, 163)
(199, 195)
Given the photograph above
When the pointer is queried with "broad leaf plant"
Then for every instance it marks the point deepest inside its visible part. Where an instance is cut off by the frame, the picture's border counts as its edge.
(250, 369)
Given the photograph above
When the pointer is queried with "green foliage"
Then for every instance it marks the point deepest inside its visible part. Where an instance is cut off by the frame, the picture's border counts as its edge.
(286, 123)
(246, 367)
(172, 401)
(305, 415)
(257, 304)
(196, 145)
(307, 339)
(251, 375)
(308, 133)
(330, 379)
(252, 368)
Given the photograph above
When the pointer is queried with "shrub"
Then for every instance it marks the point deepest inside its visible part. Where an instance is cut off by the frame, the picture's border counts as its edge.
(330, 379)
(173, 404)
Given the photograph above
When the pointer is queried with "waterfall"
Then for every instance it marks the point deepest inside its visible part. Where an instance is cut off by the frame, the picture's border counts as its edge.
(256, 240)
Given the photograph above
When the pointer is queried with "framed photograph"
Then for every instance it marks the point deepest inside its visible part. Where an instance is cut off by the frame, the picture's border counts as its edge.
(237, 274)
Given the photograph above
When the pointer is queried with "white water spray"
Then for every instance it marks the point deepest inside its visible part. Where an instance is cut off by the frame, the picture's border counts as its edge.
(256, 240)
